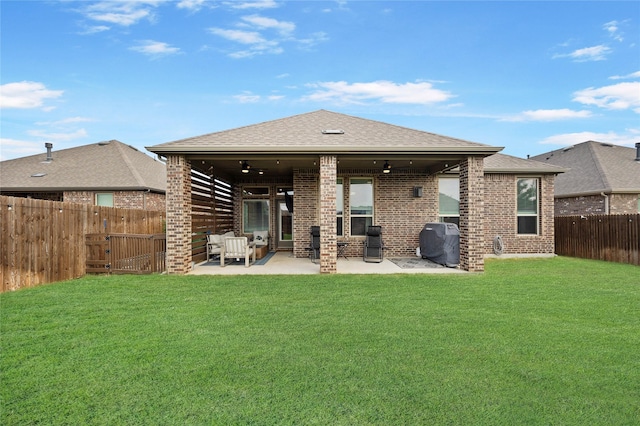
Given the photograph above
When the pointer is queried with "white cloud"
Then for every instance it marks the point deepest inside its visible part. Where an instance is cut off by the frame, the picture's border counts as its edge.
(247, 98)
(261, 4)
(594, 53)
(568, 139)
(26, 94)
(626, 77)
(65, 121)
(95, 29)
(615, 97)
(193, 5)
(613, 28)
(80, 133)
(262, 22)
(155, 48)
(239, 36)
(121, 12)
(256, 42)
(549, 115)
(421, 93)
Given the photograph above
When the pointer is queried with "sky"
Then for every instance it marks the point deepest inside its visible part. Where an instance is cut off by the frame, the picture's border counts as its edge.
(527, 76)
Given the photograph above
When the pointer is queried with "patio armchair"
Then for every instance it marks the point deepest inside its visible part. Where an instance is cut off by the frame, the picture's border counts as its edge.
(373, 245)
(314, 246)
(236, 248)
(214, 246)
(215, 243)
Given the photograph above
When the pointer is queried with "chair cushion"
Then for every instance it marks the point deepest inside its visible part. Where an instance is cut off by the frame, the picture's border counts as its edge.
(214, 239)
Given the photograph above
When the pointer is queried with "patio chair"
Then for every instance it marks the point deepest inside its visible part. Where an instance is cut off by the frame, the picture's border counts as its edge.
(236, 248)
(214, 246)
(373, 245)
(314, 246)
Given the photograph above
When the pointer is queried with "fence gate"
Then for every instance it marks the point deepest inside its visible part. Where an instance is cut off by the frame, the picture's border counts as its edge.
(126, 253)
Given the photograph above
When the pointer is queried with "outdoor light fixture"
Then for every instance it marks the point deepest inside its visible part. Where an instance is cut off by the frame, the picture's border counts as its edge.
(386, 168)
(260, 172)
(245, 167)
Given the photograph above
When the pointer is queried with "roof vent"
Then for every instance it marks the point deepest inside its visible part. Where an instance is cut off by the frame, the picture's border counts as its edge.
(567, 148)
(606, 144)
(38, 175)
(103, 143)
(637, 151)
(333, 132)
(49, 146)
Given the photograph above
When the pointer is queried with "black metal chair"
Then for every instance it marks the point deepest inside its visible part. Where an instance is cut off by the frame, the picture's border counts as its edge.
(314, 246)
(373, 245)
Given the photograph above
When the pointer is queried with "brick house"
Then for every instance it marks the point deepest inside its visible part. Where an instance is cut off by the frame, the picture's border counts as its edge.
(106, 173)
(601, 178)
(345, 173)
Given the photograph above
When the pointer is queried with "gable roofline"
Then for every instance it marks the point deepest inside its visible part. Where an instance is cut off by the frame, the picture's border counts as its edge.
(322, 132)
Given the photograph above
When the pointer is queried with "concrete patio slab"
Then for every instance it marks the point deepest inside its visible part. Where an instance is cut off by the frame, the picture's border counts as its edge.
(283, 263)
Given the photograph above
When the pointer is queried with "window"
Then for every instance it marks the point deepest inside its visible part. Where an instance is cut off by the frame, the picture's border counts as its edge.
(449, 200)
(360, 205)
(104, 199)
(339, 206)
(528, 206)
(255, 216)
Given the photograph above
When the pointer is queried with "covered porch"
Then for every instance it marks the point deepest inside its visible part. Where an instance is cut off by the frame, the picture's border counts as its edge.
(315, 168)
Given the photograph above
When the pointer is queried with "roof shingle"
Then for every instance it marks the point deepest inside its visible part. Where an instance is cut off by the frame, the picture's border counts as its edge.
(109, 165)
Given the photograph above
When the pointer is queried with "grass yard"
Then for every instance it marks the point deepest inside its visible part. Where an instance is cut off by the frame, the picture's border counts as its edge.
(553, 341)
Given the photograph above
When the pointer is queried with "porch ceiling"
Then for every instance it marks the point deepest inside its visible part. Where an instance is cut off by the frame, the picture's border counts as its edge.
(282, 166)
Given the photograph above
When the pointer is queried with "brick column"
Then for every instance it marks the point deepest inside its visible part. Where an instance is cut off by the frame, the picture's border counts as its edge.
(178, 214)
(472, 214)
(328, 239)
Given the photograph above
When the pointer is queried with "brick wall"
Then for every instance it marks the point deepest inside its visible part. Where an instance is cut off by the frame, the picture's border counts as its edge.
(501, 216)
(472, 201)
(178, 214)
(596, 204)
(121, 199)
(328, 248)
(401, 215)
(305, 207)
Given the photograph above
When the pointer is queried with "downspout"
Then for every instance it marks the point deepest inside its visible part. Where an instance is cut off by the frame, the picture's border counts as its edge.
(606, 202)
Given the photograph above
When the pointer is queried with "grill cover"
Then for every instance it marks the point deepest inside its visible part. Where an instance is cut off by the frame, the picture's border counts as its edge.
(440, 243)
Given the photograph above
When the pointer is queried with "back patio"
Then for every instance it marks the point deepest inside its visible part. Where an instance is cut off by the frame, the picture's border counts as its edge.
(284, 263)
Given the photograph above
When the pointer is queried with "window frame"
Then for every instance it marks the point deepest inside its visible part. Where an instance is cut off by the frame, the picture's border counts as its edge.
(352, 216)
(97, 197)
(340, 214)
(244, 215)
(448, 217)
(523, 215)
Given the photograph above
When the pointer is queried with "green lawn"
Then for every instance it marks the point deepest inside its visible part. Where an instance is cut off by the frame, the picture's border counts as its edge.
(537, 342)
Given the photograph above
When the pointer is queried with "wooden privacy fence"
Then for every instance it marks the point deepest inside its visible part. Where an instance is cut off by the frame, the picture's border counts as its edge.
(44, 241)
(615, 238)
(126, 253)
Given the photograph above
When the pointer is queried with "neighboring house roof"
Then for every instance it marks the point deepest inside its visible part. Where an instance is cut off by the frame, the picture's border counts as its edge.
(595, 167)
(322, 132)
(101, 166)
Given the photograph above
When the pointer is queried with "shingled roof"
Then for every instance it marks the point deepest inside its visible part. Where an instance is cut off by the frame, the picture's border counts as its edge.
(595, 167)
(322, 132)
(110, 165)
(502, 163)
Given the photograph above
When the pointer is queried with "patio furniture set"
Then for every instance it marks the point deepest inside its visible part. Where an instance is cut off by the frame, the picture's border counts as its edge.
(228, 246)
